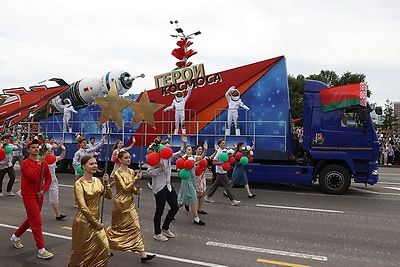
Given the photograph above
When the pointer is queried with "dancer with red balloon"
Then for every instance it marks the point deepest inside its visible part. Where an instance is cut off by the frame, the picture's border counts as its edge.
(201, 185)
(220, 160)
(51, 196)
(239, 177)
(187, 193)
(163, 191)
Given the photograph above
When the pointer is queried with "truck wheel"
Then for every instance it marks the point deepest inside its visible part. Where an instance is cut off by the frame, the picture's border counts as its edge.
(334, 179)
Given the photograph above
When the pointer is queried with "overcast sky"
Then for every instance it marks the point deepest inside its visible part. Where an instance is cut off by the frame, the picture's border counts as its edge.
(76, 39)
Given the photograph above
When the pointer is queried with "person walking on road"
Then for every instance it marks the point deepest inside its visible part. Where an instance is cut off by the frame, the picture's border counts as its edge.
(51, 195)
(125, 233)
(35, 181)
(164, 192)
(222, 177)
(90, 245)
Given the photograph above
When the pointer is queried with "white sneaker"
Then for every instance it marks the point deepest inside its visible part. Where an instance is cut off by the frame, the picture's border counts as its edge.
(17, 244)
(1, 194)
(235, 202)
(45, 255)
(10, 194)
(208, 199)
(160, 237)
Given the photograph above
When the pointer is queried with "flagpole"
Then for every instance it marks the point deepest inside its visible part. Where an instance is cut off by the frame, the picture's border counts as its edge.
(106, 167)
(140, 159)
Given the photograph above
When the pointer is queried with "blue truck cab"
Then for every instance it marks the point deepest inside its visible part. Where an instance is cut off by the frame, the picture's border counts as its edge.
(339, 146)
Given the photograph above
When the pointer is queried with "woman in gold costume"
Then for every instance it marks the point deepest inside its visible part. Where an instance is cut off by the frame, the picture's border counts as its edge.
(89, 240)
(124, 233)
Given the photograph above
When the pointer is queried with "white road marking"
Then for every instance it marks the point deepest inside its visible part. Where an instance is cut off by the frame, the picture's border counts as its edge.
(373, 192)
(188, 261)
(388, 183)
(158, 255)
(269, 251)
(298, 208)
(66, 185)
(391, 187)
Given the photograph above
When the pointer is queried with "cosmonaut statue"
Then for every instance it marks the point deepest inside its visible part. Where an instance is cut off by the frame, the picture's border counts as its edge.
(234, 101)
(179, 104)
(68, 109)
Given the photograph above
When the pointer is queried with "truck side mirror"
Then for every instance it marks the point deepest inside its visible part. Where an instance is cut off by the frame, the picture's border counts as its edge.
(378, 110)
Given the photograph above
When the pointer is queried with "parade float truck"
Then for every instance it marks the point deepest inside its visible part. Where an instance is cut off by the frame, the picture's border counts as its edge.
(339, 140)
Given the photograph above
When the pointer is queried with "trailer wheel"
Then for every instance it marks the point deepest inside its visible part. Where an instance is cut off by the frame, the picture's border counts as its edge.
(334, 179)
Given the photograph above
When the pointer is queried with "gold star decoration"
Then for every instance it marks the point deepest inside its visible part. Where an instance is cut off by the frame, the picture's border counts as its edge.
(144, 110)
(111, 106)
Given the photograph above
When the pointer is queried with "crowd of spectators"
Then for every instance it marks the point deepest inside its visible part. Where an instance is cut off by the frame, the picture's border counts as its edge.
(389, 147)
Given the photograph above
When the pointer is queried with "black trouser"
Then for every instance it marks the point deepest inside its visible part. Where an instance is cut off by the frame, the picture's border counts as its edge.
(11, 175)
(222, 179)
(162, 197)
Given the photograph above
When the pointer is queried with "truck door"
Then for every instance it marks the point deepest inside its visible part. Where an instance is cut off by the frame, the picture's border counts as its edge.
(354, 136)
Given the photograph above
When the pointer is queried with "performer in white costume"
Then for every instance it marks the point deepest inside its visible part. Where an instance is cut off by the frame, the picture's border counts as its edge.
(234, 101)
(68, 109)
(179, 104)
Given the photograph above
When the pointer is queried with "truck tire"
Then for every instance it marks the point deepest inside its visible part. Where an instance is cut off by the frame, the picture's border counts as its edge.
(334, 179)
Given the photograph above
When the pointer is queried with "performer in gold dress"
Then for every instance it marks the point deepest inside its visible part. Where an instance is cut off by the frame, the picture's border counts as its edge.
(125, 233)
(89, 240)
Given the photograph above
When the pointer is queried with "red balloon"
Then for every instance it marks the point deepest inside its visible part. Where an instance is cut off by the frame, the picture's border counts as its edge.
(250, 158)
(153, 159)
(180, 163)
(189, 164)
(239, 155)
(231, 160)
(149, 152)
(226, 166)
(115, 159)
(50, 159)
(166, 153)
(199, 171)
(2, 154)
(203, 163)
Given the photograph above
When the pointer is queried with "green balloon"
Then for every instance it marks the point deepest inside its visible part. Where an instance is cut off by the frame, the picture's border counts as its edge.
(15, 138)
(224, 157)
(8, 149)
(244, 160)
(184, 174)
(79, 170)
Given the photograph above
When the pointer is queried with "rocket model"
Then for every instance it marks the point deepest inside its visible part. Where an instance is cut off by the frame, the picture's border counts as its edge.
(18, 103)
(81, 92)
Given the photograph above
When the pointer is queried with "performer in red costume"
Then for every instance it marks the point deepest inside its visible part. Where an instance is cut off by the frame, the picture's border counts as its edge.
(35, 181)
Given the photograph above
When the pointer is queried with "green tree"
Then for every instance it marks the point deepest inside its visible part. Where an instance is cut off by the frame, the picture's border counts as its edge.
(296, 87)
(389, 117)
(296, 93)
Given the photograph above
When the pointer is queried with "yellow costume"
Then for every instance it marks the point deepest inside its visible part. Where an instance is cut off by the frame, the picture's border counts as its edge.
(89, 246)
(124, 232)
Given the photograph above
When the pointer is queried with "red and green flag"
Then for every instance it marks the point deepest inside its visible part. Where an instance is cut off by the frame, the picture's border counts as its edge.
(343, 96)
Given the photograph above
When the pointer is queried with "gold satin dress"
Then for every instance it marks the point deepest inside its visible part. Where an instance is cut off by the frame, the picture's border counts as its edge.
(124, 232)
(89, 246)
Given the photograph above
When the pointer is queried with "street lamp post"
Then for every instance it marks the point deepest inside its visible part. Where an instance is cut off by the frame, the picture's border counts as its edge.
(183, 53)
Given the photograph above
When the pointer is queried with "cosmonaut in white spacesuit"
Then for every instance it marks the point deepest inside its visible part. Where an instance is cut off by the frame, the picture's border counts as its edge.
(68, 109)
(179, 104)
(234, 101)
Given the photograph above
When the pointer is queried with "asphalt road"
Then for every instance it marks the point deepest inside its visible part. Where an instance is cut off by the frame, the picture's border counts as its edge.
(285, 225)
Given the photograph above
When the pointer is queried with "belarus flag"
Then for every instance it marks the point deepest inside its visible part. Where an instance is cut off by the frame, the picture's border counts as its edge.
(343, 96)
